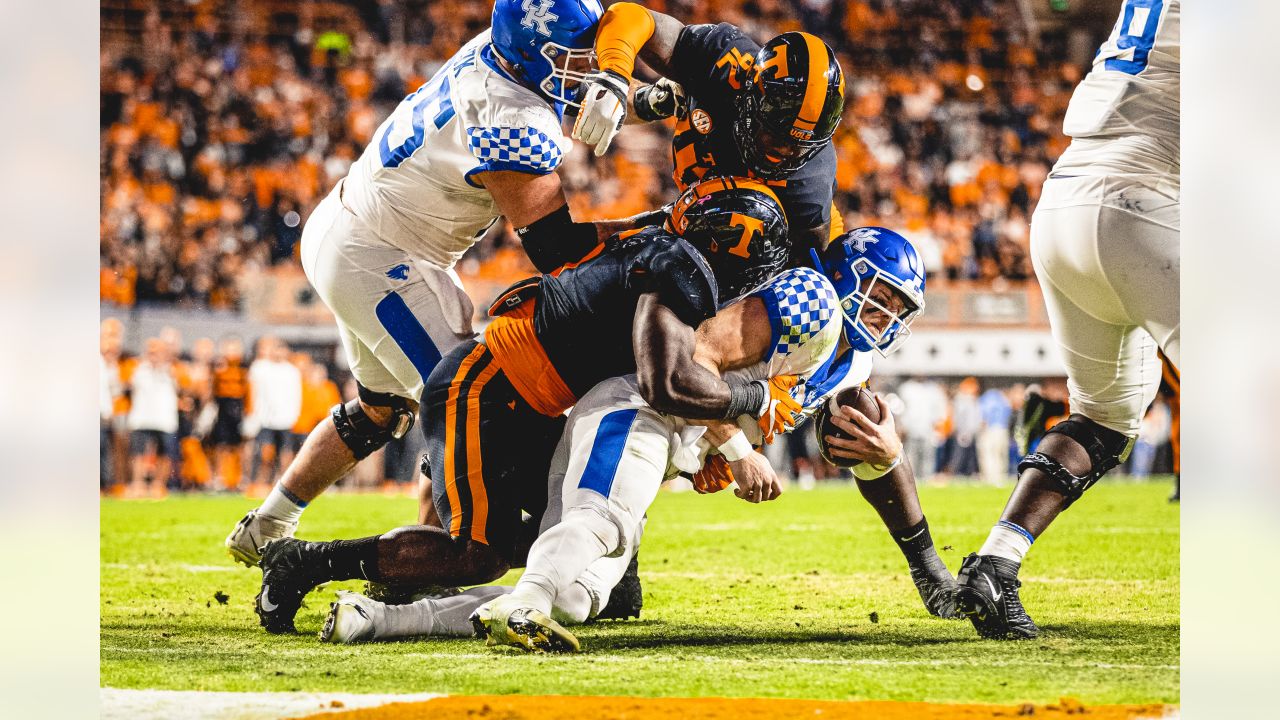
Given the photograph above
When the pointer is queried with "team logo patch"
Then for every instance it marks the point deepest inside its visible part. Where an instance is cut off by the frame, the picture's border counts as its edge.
(537, 13)
(701, 121)
(399, 272)
(859, 238)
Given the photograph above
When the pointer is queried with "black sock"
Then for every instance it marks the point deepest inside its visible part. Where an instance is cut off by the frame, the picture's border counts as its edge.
(915, 542)
(351, 559)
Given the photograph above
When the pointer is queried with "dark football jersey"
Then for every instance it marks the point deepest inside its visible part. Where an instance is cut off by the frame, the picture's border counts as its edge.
(710, 62)
(585, 311)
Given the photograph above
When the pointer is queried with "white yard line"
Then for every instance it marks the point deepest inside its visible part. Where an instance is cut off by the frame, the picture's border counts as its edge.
(122, 704)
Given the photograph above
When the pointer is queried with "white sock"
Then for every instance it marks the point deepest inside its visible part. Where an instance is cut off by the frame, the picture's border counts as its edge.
(1009, 541)
(282, 505)
(556, 560)
(439, 617)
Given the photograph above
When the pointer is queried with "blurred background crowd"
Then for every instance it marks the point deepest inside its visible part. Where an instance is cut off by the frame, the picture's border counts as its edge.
(223, 123)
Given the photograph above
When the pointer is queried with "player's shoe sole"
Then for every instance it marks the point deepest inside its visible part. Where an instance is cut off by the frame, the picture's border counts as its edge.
(252, 533)
(350, 620)
(987, 594)
(521, 627)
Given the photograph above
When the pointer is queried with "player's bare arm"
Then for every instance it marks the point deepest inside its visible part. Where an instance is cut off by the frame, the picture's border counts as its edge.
(551, 239)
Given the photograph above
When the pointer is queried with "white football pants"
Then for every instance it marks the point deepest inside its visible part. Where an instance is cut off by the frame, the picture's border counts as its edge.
(612, 458)
(1105, 250)
(397, 315)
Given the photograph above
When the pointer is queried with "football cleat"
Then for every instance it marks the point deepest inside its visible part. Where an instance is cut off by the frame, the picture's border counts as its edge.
(505, 621)
(988, 596)
(255, 530)
(627, 597)
(937, 589)
(1029, 426)
(350, 619)
(287, 577)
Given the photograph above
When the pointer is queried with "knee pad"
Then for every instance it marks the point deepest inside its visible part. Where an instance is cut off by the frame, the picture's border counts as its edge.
(1106, 448)
(359, 431)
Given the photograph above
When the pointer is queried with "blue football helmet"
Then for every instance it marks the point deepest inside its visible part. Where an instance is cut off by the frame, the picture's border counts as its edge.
(549, 43)
(879, 278)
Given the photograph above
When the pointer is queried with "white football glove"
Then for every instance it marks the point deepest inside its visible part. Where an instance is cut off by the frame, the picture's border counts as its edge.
(604, 107)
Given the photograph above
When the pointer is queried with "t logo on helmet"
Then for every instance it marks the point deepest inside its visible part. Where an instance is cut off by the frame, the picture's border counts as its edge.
(859, 238)
(537, 13)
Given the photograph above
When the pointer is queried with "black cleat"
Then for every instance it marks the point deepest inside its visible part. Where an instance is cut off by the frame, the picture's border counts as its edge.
(627, 597)
(937, 589)
(287, 577)
(1029, 425)
(988, 596)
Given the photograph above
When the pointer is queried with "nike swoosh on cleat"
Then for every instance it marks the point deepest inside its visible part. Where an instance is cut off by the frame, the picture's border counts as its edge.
(265, 602)
(995, 594)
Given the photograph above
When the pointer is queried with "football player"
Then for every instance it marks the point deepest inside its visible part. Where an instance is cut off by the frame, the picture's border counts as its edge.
(1104, 242)
(743, 109)
(482, 138)
(617, 449)
(493, 408)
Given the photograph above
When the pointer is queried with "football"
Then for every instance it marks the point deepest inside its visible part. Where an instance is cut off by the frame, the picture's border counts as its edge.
(857, 397)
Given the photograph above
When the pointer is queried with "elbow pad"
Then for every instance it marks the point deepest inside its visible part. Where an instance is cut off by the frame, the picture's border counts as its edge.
(555, 239)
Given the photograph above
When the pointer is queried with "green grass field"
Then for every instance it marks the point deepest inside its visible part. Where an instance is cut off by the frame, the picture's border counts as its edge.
(805, 597)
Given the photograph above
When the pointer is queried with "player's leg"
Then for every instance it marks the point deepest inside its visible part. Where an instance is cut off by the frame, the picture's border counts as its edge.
(396, 316)
(465, 402)
(897, 502)
(1112, 378)
(616, 459)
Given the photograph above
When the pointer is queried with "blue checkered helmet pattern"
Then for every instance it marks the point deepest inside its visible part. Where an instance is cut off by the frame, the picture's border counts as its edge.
(522, 149)
(548, 43)
(800, 302)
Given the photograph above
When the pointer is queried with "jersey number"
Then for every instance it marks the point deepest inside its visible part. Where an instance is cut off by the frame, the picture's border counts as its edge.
(1136, 31)
(433, 97)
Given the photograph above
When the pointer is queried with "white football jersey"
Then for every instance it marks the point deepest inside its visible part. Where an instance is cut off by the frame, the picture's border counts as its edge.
(414, 183)
(1124, 116)
(806, 323)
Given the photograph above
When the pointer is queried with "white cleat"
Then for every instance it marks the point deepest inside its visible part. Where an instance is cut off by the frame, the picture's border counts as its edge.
(252, 533)
(350, 619)
(506, 620)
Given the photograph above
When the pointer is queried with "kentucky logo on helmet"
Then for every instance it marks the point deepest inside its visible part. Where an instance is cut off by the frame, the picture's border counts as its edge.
(537, 13)
(859, 238)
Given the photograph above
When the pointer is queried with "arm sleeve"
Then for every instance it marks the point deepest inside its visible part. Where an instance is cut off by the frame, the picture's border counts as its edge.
(707, 55)
(624, 29)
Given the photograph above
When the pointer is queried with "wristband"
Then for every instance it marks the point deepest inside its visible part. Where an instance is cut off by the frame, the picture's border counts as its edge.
(747, 398)
(736, 447)
(867, 471)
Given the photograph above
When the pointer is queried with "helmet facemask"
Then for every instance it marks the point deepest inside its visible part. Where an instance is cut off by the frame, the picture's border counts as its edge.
(878, 315)
(754, 139)
(564, 83)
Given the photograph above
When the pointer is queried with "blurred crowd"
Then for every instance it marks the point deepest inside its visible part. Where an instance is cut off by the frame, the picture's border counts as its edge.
(208, 417)
(223, 123)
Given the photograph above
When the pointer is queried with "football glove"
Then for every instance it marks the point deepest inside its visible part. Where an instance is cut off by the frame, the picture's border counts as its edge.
(659, 100)
(781, 409)
(714, 476)
(604, 107)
